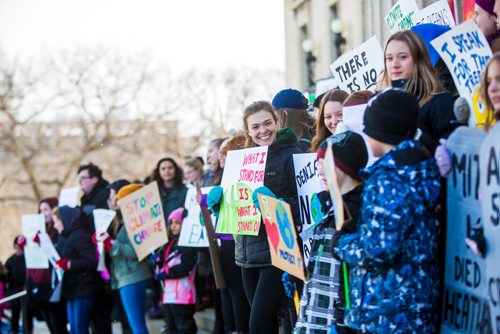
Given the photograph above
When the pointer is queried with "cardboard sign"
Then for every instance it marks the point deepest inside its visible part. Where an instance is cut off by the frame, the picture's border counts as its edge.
(465, 52)
(360, 68)
(465, 297)
(102, 220)
(438, 13)
(193, 230)
(402, 15)
(144, 220)
(489, 195)
(324, 85)
(243, 173)
(333, 187)
(69, 197)
(34, 257)
(285, 252)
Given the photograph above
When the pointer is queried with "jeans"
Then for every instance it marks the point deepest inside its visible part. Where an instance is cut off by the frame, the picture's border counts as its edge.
(78, 311)
(179, 318)
(133, 299)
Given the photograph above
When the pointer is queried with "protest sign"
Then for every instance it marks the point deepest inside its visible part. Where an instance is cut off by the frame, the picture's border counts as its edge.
(489, 164)
(402, 15)
(278, 221)
(50, 251)
(438, 13)
(308, 185)
(193, 231)
(307, 239)
(333, 187)
(465, 51)
(465, 302)
(69, 197)
(324, 85)
(34, 257)
(102, 220)
(359, 69)
(144, 220)
(243, 173)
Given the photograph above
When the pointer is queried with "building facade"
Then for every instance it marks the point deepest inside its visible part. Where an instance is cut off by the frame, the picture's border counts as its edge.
(318, 31)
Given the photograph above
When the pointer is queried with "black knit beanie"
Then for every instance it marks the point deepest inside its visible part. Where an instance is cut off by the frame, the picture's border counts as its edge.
(391, 116)
(349, 152)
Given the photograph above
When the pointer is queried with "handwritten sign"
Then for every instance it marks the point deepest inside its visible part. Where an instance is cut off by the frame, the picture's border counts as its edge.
(102, 220)
(143, 217)
(465, 52)
(438, 13)
(333, 187)
(489, 164)
(360, 68)
(308, 185)
(285, 252)
(69, 197)
(243, 173)
(34, 257)
(193, 231)
(465, 301)
(402, 15)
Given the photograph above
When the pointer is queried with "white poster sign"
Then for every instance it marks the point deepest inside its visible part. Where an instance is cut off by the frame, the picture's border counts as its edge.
(438, 13)
(465, 52)
(34, 257)
(69, 197)
(193, 231)
(360, 68)
(102, 220)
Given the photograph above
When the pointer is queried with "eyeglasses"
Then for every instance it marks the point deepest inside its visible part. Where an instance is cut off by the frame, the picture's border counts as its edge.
(81, 178)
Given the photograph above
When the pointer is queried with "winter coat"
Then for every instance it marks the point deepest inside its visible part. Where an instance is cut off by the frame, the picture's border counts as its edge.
(179, 264)
(323, 298)
(172, 198)
(126, 269)
(437, 119)
(392, 255)
(253, 251)
(16, 273)
(81, 280)
(96, 199)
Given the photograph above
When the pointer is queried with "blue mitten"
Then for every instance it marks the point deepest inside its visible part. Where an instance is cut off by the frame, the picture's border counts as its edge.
(263, 191)
(154, 259)
(213, 199)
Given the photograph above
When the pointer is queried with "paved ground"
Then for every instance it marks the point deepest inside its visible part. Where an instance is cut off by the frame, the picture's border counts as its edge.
(204, 321)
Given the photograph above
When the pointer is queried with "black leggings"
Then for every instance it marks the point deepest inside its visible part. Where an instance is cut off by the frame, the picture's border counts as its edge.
(235, 306)
(265, 294)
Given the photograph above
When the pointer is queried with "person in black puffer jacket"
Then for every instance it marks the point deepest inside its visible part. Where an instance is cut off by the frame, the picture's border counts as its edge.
(262, 281)
(81, 281)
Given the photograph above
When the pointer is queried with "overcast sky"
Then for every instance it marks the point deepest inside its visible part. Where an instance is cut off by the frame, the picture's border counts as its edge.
(186, 33)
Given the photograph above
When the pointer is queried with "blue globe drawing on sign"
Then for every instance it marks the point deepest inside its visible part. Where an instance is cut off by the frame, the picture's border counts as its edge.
(285, 226)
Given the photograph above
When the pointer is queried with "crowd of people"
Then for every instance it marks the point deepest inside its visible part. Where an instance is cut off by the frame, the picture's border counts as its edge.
(382, 272)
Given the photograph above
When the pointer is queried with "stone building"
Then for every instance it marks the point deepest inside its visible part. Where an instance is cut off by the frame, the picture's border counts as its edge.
(318, 31)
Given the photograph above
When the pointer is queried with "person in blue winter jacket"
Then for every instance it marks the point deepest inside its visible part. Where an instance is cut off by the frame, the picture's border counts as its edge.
(392, 254)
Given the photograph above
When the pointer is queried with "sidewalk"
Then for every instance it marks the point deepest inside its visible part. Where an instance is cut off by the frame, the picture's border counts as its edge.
(204, 321)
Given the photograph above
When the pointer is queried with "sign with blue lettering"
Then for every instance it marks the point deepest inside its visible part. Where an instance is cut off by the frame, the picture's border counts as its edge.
(465, 51)
(465, 306)
(283, 246)
(489, 193)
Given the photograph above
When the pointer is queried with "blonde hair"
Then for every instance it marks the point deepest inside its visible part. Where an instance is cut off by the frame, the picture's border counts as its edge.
(424, 83)
(483, 91)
